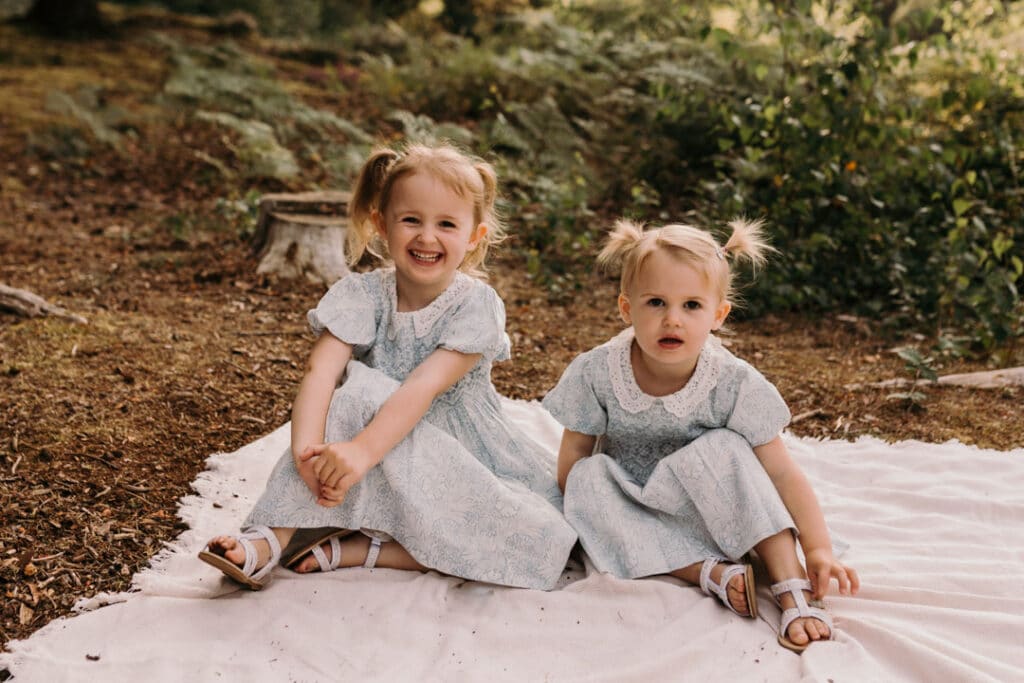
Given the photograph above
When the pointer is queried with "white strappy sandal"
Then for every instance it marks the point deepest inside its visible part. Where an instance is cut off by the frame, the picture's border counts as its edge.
(334, 543)
(721, 589)
(247, 575)
(804, 608)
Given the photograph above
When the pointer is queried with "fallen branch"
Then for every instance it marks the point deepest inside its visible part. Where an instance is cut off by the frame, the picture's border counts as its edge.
(31, 305)
(989, 379)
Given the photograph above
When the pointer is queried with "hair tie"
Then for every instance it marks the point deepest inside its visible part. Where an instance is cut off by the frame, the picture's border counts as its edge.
(719, 253)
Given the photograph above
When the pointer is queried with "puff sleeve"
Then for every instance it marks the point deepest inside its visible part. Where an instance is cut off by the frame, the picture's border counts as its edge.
(477, 325)
(759, 413)
(348, 311)
(574, 402)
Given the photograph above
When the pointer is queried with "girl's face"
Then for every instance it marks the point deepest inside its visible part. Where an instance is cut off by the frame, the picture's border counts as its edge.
(672, 309)
(429, 230)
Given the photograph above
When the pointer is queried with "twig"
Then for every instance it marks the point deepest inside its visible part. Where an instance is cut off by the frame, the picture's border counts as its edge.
(14, 467)
(48, 557)
(99, 459)
(281, 333)
(803, 416)
(131, 493)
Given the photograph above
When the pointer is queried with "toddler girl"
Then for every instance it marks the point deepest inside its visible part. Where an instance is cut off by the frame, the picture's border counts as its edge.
(410, 462)
(671, 459)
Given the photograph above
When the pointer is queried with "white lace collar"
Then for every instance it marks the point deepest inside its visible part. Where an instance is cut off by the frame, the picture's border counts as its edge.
(681, 403)
(423, 319)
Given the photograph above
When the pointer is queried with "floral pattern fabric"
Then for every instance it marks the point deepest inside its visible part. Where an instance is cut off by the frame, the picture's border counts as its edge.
(675, 479)
(466, 492)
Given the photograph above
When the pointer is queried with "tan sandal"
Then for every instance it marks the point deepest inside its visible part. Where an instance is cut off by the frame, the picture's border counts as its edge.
(247, 575)
(804, 608)
(721, 589)
(333, 540)
(312, 545)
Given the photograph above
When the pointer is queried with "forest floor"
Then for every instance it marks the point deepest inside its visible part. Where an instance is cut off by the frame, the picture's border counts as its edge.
(187, 352)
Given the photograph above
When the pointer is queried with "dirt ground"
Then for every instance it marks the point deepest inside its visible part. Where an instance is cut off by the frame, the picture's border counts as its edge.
(187, 352)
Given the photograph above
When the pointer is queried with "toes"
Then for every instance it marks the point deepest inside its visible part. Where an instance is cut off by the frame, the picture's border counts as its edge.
(309, 563)
(803, 631)
(817, 630)
(797, 632)
(306, 565)
(221, 544)
(738, 595)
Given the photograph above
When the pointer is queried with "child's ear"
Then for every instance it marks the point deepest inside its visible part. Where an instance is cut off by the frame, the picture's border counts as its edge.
(624, 309)
(721, 313)
(477, 235)
(378, 223)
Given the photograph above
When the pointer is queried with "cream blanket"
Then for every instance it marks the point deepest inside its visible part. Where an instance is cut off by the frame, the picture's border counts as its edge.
(937, 534)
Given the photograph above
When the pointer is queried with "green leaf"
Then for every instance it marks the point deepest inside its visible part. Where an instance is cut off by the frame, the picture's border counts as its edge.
(910, 354)
(961, 206)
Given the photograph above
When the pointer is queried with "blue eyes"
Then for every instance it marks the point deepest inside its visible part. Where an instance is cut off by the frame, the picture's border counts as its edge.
(413, 220)
(660, 303)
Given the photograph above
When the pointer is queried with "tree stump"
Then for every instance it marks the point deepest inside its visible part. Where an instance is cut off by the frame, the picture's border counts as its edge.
(303, 235)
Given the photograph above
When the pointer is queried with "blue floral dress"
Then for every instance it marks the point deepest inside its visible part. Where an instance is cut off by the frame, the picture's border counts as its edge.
(674, 479)
(465, 492)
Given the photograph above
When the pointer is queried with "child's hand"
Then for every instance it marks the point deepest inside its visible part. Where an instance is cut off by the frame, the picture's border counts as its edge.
(338, 466)
(822, 566)
(304, 464)
(330, 497)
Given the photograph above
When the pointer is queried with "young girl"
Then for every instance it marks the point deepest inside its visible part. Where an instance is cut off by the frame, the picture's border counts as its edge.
(409, 463)
(671, 459)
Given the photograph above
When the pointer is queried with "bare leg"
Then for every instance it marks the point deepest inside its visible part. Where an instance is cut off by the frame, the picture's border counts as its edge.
(232, 550)
(779, 555)
(736, 590)
(354, 549)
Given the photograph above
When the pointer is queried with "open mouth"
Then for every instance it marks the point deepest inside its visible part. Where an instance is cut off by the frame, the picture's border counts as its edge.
(670, 343)
(424, 257)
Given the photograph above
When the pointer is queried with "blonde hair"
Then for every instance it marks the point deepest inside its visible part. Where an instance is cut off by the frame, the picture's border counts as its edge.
(629, 245)
(467, 176)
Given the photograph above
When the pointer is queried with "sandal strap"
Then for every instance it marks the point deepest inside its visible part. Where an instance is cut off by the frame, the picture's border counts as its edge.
(321, 558)
(720, 589)
(252, 556)
(706, 583)
(372, 553)
(803, 608)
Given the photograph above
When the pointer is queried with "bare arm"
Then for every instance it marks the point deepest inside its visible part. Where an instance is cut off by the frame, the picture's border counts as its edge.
(799, 499)
(412, 400)
(573, 448)
(343, 464)
(324, 370)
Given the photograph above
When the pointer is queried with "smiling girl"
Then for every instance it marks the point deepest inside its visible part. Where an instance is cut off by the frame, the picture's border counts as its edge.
(671, 459)
(400, 454)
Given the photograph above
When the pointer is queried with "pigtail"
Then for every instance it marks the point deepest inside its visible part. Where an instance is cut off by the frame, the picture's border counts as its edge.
(365, 200)
(488, 215)
(748, 241)
(623, 239)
